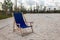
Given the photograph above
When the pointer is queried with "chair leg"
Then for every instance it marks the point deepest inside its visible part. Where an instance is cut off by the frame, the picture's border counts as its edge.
(13, 28)
(19, 29)
(32, 29)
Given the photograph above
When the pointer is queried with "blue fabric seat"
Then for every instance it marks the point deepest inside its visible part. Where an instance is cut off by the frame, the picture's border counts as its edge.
(19, 20)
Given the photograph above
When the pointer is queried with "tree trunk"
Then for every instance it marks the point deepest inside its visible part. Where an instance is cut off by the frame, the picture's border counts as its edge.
(6, 11)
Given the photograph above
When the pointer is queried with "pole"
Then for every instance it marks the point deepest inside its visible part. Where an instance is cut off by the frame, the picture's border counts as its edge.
(15, 5)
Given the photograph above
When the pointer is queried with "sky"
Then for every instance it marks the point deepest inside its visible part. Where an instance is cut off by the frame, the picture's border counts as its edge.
(28, 3)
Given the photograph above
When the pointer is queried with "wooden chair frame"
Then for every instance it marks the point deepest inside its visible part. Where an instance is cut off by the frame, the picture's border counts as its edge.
(19, 29)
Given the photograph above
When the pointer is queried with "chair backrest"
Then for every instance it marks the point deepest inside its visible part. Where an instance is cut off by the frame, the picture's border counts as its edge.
(19, 19)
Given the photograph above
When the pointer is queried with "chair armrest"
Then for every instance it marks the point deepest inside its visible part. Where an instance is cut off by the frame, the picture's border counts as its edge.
(30, 23)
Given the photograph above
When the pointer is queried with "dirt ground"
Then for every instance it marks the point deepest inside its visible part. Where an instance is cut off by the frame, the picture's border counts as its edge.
(45, 26)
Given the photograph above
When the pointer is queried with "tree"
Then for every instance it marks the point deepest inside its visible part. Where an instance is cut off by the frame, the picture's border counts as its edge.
(49, 9)
(44, 8)
(54, 9)
(7, 6)
(34, 9)
(41, 6)
(22, 9)
(37, 8)
(30, 8)
(4, 6)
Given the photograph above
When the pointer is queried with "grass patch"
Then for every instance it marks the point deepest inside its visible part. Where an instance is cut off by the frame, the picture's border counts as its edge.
(3, 16)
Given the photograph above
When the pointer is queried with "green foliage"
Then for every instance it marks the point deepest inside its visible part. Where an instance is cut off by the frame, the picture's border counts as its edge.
(7, 5)
(3, 15)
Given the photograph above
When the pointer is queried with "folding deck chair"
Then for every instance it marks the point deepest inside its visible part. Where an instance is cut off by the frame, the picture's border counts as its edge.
(19, 20)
